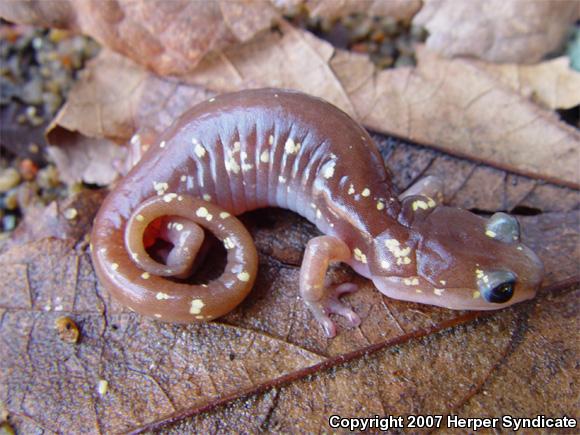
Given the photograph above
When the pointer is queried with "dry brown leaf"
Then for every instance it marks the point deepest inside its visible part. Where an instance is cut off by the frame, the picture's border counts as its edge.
(156, 371)
(333, 9)
(169, 37)
(457, 107)
(519, 31)
(552, 84)
(453, 105)
(515, 363)
(70, 219)
(114, 99)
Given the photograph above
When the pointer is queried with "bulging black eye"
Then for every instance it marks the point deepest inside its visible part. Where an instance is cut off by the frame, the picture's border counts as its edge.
(497, 286)
(501, 293)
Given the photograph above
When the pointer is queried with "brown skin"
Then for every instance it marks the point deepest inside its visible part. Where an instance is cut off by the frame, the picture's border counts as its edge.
(272, 147)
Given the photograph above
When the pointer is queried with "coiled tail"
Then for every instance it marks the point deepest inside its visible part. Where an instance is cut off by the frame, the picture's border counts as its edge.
(150, 287)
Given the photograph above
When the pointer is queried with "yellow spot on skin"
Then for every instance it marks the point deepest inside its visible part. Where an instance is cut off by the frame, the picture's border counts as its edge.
(438, 291)
(404, 252)
(145, 275)
(479, 273)
(102, 387)
(199, 150)
(411, 281)
(244, 276)
(476, 294)
(265, 156)
(161, 296)
(385, 264)
(358, 255)
(162, 144)
(419, 204)
(271, 140)
(232, 166)
(366, 192)
(201, 212)
(196, 306)
(443, 282)
(380, 205)
(160, 187)
(199, 317)
(490, 233)
(351, 190)
(70, 213)
(328, 170)
(290, 147)
(394, 246)
(392, 243)
(114, 266)
(228, 243)
(224, 215)
(169, 197)
(206, 197)
(139, 218)
(431, 203)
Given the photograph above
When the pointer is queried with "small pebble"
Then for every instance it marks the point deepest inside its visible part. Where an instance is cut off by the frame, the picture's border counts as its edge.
(6, 429)
(11, 200)
(404, 61)
(9, 222)
(47, 177)
(9, 178)
(28, 169)
(67, 329)
(27, 194)
(70, 213)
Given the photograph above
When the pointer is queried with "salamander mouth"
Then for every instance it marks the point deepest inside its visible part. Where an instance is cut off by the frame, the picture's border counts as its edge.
(419, 290)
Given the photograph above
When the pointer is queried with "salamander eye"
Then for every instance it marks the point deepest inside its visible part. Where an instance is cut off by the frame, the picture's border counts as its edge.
(497, 286)
(503, 227)
(501, 293)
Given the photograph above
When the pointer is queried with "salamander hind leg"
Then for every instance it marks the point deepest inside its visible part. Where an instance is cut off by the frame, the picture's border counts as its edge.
(322, 300)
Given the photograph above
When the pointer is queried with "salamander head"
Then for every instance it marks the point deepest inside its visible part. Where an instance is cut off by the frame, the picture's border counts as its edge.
(464, 261)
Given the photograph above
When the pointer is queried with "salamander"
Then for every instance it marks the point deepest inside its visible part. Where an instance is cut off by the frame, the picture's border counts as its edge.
(280, 148)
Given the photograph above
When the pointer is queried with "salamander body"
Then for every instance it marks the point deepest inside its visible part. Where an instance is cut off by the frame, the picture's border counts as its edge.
(272, 147)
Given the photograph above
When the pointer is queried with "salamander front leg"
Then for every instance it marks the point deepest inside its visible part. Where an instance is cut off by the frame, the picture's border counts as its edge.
(320, 300)
(430, 186)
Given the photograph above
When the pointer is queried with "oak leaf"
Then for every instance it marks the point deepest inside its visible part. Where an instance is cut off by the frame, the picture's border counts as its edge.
(512, 363)
(552, 84)
(402, 10)
(453, 105)
(128, 372)
(519, 31)
(168, 37)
